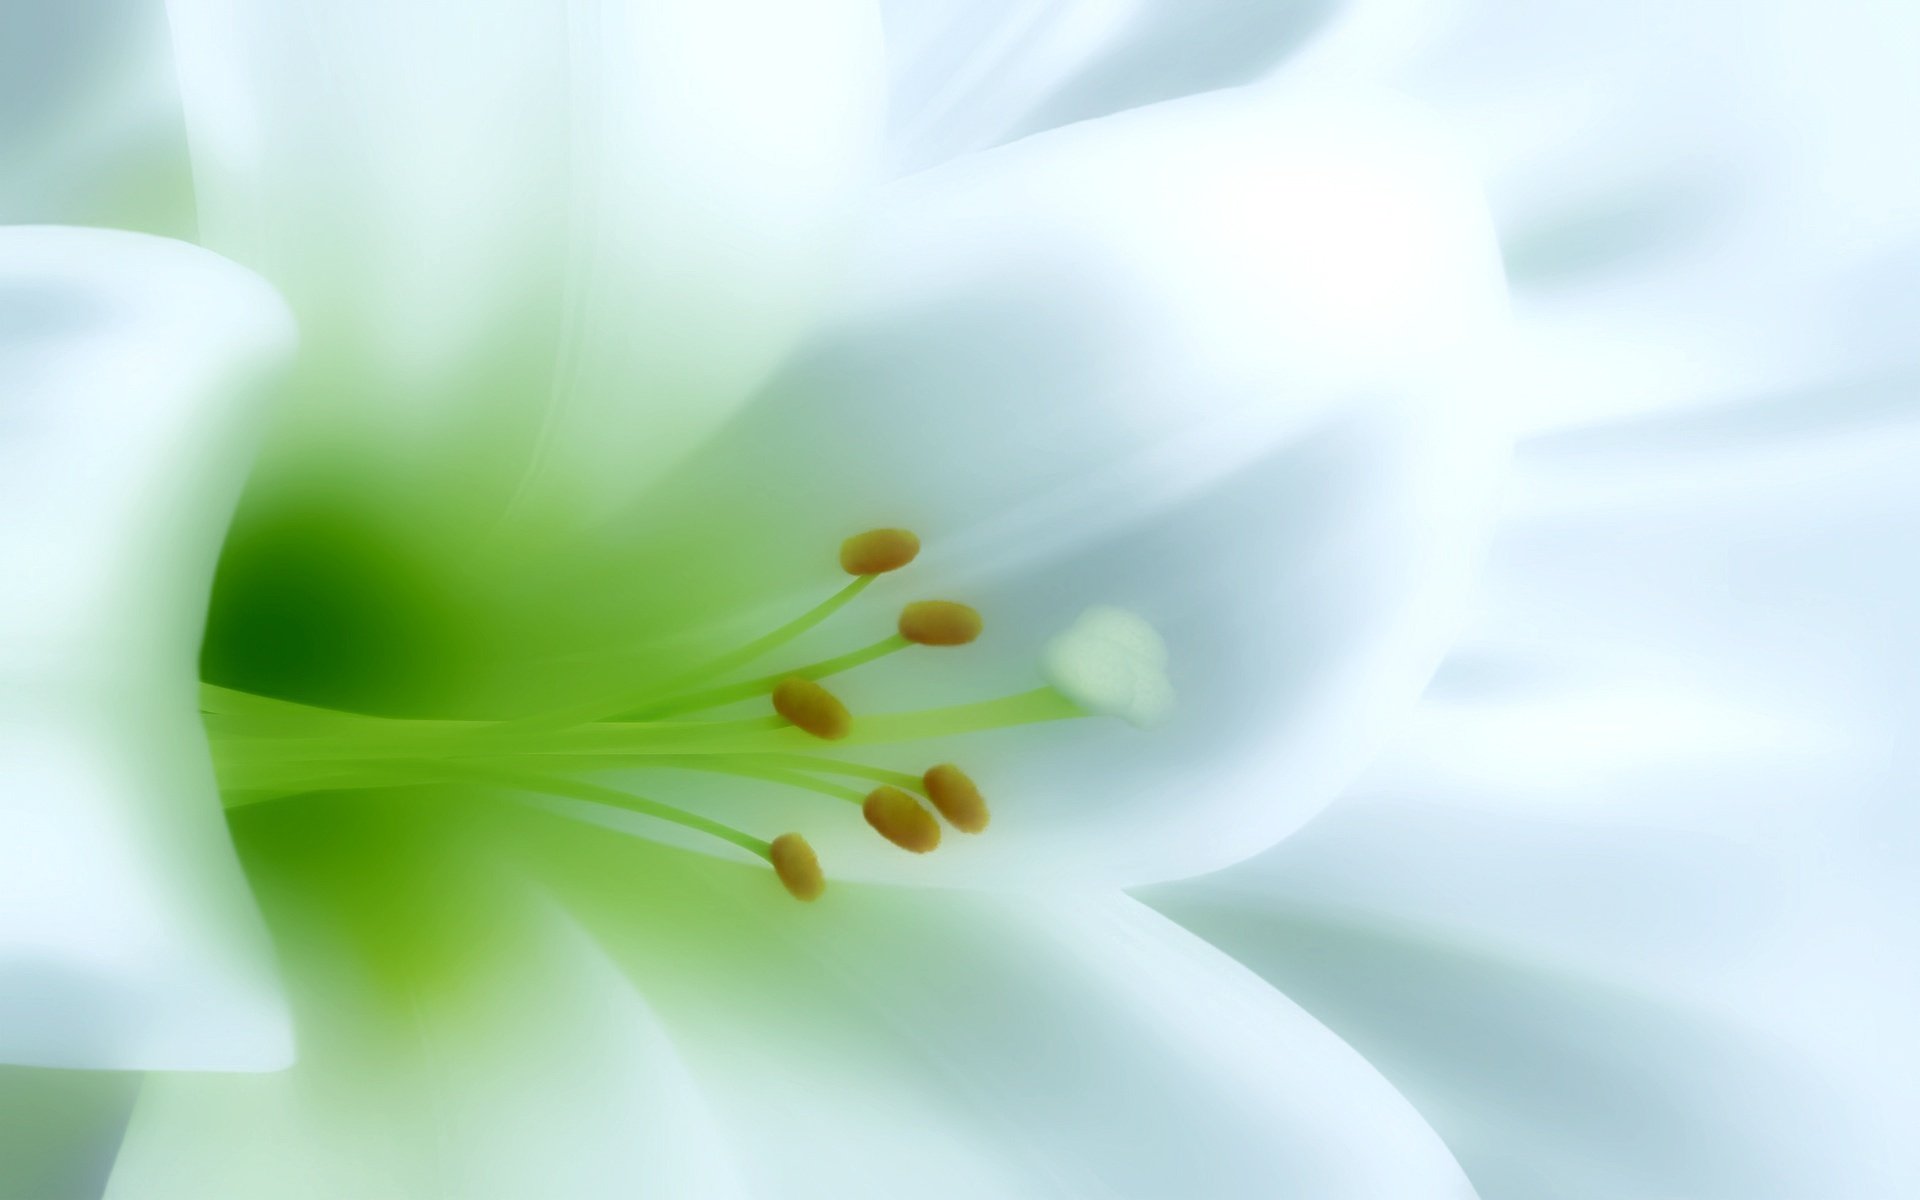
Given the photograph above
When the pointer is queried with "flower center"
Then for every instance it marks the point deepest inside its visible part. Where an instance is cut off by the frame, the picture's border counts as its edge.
(1109, 663)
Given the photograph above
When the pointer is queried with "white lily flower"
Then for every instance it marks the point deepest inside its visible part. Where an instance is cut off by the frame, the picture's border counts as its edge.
(603, 353)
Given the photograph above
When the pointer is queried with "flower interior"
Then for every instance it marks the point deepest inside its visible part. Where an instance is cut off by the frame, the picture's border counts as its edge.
(726, 715)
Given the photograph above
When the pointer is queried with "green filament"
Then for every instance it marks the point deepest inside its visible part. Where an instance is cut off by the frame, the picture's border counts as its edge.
(733, 693)
(593, 793)
(267, 750)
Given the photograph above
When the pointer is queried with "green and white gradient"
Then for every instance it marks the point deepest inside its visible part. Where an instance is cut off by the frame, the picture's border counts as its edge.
(404, 405)
(611, 326)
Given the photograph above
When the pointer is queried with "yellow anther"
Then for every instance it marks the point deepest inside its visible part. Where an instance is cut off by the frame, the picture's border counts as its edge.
(878, 551)
(939, 623)
(956, 797)
(797, 866)
(899, 818)
(812, 707)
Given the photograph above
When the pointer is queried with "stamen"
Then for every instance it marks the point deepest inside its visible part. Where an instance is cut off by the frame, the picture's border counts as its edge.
(955, 795)
(888, 808)
(878, 551)
(1110, 662)
(744, 767)
(922, 623)
(771, 641)
(770, 734)
(793, 860)
(939, 623)
(593, 793)
(612, 704)
(715, 697)
(798, 868)
(899, 818)
(812, 708)
(779, 768)
(732, 660)
(392, 739)
(835, 766)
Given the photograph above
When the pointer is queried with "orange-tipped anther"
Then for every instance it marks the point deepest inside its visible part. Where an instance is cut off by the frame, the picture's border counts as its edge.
(878, 551)
(958, 800)
(812, 707)
(899, 818)
(939, 623)
(797, 866)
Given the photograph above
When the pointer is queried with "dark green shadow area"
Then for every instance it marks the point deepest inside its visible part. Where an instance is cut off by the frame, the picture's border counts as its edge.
(326, 607)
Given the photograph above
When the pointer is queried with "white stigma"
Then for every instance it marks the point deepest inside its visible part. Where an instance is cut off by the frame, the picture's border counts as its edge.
(1111, 663)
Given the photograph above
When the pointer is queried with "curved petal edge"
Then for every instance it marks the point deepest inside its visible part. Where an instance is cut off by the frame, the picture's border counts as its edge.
(131, 369)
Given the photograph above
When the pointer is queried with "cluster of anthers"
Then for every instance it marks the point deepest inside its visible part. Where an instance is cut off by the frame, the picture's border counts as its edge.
(1110, 662)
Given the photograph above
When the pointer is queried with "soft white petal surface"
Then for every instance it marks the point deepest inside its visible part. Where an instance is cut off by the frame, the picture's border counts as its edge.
(969, 74)
(541, 248)
(132, 371)
(530, 1069)
(1629, 910)
(90, 129)
(59, 1129)
(1223, 363)
(1692, 212)
(881, 1043)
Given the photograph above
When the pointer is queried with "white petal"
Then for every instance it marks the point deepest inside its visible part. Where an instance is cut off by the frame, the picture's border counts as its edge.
(62, 1128)
(879, 1042)
(1691, 217)
(1638, 883)
(460, 1037)
(541, 248)
(969, 74)
(1222, 363)
(1545, 1084)
(90, 130)
(131, 369)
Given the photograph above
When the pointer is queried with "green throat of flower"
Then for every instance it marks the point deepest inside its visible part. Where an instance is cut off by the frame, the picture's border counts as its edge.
(269, 750)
